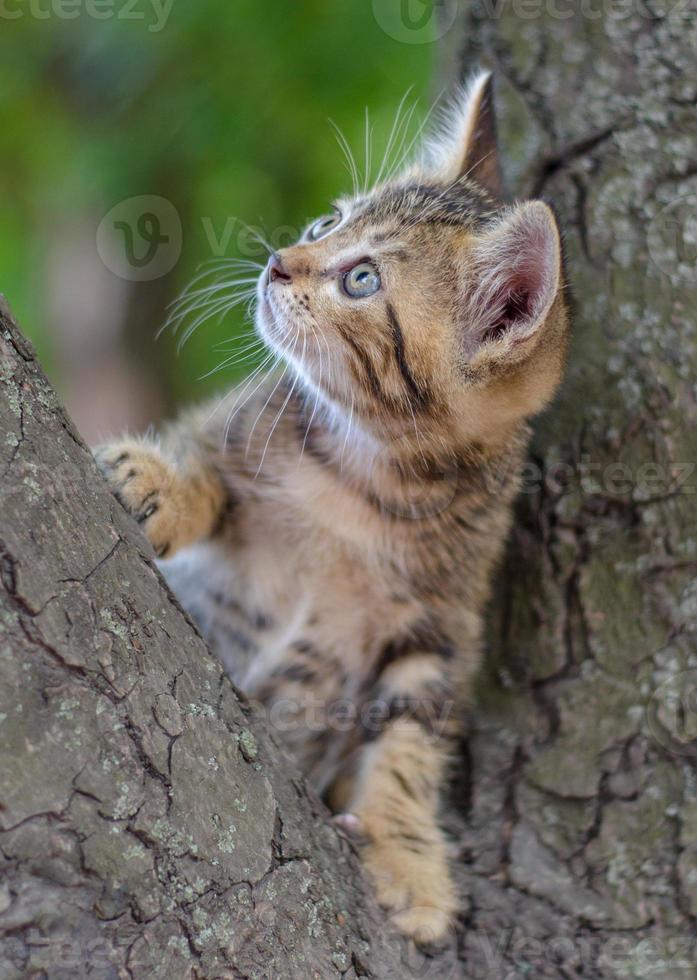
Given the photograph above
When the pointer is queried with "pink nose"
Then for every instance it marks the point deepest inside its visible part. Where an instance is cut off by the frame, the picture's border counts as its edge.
(276, 270)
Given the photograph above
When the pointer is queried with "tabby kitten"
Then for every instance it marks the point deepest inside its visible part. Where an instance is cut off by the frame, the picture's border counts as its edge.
(335, 540)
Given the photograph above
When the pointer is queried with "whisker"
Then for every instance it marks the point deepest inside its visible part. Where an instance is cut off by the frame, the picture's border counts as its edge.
(350, 159)
(318, 389)
(194, 304)
(233, 341)
(258, 237)
(417, 135)
(271, 357)
(348, 433)
(282, 409)
(243, 386)
(223, 306)
(230, 262)
(399, 152)
(396, 128)
(368, 150)
(242, 357)
(263, 369)
(266, 403)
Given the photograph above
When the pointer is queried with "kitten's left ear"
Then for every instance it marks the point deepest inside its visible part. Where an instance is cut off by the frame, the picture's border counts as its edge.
(466, 145)
(514, 275)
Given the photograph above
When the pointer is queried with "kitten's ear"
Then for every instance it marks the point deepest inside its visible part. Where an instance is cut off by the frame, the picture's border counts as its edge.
(514, 276)
(466, 144)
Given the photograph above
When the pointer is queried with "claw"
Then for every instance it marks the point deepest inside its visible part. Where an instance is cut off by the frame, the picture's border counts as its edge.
(349, 823)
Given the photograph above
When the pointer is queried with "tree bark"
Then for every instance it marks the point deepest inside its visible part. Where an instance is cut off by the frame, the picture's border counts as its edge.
(580, 849)
(151, 827)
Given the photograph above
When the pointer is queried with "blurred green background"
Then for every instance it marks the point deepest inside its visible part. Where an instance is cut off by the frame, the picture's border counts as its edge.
(222, 109)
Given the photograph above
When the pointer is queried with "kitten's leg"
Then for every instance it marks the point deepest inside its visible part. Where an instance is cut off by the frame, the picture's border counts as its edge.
(177, 503)
(396, 798)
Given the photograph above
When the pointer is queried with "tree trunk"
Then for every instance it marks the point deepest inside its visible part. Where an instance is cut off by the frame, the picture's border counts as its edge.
(151, 827)
(580, 851)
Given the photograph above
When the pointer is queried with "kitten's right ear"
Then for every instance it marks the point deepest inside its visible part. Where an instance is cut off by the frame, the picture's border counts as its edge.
(466, 144)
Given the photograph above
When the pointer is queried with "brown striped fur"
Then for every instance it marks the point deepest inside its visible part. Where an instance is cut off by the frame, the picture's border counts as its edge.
(336, 540)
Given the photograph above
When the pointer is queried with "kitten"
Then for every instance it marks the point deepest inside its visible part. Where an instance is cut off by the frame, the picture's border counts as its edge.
(336, 540)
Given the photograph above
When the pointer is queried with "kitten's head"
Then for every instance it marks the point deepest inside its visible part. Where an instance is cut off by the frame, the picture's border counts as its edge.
(427, 297)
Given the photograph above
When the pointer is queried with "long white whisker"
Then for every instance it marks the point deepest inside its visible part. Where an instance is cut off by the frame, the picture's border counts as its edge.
(229, 262)
(346, 437)
(259, 238)
(272, 393)
(214, 287)
(240, 358)
(368, 150)
(263, 369)
(403, 136)
(318, 389)
(232, 342)
(417, 135)
(350, 160)
(396, 128)
(223, 306)
(210, 303)
(236, 390)
(281, 410)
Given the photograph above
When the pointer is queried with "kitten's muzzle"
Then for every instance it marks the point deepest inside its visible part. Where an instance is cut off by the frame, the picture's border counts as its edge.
(276, 271)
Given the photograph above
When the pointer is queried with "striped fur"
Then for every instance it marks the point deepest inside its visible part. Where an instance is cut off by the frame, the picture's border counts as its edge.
(336, 537)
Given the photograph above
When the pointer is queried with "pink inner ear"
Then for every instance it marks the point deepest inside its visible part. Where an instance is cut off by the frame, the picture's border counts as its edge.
(518, 280)
(513, 308)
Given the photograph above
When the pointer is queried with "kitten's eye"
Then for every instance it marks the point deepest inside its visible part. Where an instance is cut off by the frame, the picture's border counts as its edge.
(325, 225)
(363, 280)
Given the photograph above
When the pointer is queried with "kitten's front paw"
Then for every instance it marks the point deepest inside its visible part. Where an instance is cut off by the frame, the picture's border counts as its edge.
(415, 888)
(147, 486)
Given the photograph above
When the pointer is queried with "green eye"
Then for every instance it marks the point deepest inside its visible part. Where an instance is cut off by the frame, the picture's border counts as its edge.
(325, 225)
(363, 280)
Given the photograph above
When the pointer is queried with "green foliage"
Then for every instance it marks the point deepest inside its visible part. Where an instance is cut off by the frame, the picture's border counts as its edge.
(224, 111)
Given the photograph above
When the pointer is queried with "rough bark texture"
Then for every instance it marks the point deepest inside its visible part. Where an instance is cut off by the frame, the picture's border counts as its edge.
(151, 828)
(580, 853)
